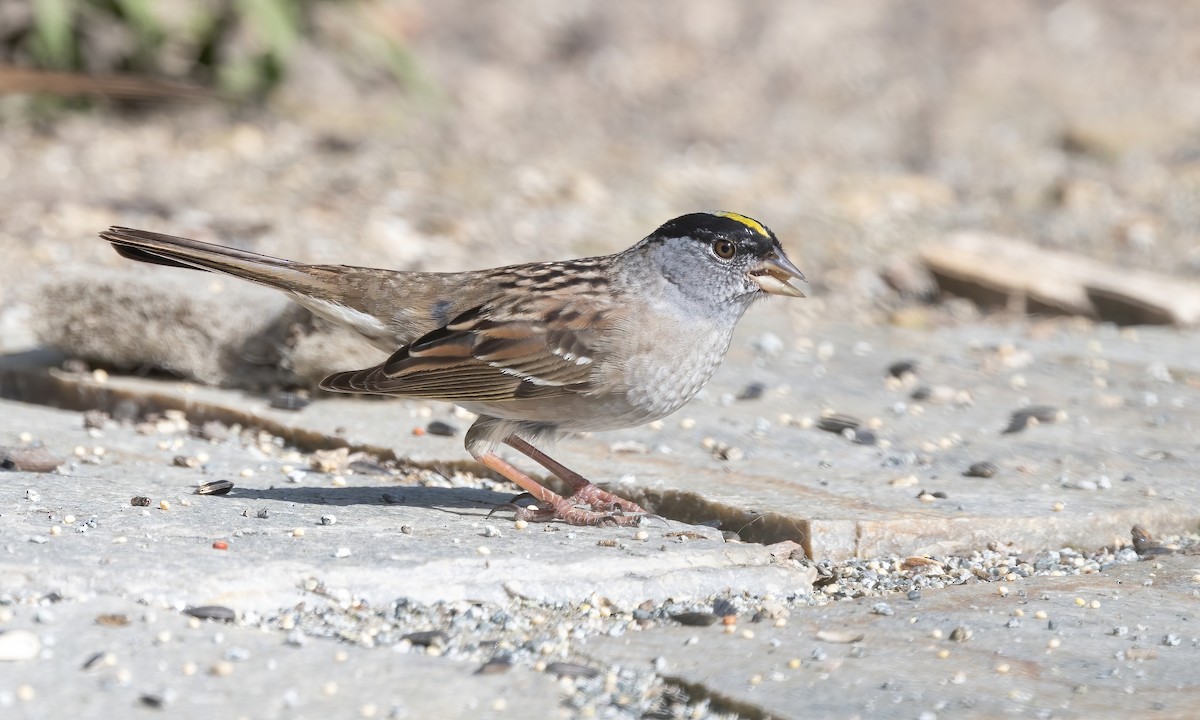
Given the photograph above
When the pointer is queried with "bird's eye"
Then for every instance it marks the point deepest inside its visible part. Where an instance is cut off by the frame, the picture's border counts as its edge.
(724, 249)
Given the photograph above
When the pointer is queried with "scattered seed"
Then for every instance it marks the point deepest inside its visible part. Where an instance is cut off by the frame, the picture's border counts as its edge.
(211, 612)
(220, 545)
(298, 533)
(100, 659)
(571, 670)
(221, 668)
(164, 505)
(216, 487)
(837, 423)
(112, 620)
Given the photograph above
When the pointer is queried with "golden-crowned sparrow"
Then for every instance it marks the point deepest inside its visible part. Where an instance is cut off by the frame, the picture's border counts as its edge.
(540, 349)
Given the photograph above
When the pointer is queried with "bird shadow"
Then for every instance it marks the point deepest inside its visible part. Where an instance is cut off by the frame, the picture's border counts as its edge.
(437, 498)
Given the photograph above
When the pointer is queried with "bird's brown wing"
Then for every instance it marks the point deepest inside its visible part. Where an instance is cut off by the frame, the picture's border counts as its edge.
(532, 346)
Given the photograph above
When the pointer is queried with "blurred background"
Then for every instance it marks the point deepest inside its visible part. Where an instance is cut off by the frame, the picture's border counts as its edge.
(454, 134)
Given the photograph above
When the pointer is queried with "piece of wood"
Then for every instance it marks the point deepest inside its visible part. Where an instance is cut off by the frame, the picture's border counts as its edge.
(997, 271)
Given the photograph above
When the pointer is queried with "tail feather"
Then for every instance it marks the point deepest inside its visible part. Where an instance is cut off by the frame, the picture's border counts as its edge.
(172, 251)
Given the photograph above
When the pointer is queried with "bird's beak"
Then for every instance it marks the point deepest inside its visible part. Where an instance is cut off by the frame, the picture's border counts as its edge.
(774, 275)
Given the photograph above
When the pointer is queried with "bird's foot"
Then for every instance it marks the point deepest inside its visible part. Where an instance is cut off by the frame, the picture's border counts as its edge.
(569, 511)
(602, 500)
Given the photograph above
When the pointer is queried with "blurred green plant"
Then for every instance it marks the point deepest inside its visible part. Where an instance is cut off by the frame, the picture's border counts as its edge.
(243, 48)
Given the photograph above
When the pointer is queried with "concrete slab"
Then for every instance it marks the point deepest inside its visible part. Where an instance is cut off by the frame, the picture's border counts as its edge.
(388, 538)
(1123, 643)
(1124, 452)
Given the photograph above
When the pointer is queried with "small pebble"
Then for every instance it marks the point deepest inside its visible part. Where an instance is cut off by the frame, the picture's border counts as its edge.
(440, 428)
(328, 520)
(18, 645)
(753, 391)
(289, 401)
(427, 638)
(699, 619)
(342, 552)
(164, 505)
(981, 470)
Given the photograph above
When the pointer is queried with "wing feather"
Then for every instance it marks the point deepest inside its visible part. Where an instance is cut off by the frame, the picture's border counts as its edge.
(531, 347)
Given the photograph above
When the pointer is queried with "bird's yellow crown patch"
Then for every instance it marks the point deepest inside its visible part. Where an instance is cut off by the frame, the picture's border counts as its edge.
(751, 223)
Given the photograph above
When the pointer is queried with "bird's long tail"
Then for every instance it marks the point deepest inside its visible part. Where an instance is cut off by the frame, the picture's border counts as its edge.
(152, 247)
